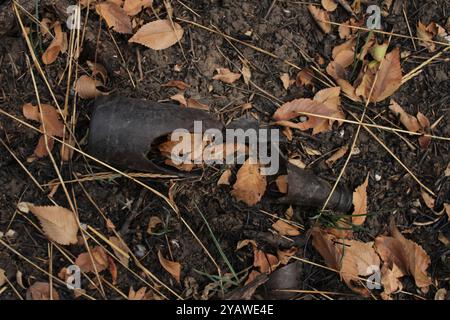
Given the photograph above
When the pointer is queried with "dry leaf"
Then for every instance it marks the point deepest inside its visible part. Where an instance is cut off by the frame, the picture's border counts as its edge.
(426, 35)
(174, 268)
(246, 242)
(133, 7)
(342, 228)
(428, 199)
(2, 277)
(304, 77)
(225, 75)
(115, 17)
(321, 17)
(326, 103)
(250, 184)
(137, 295)
(98, 69)
(359, 214)
(410, 122)
(285, 255)
(86, 87)
(59, 224)
(195, 104)
(158, 35)
(98, 255)
(329, 5)
(285, 229)
(337, 155)
(351, 258)
(179, 97)
(246, 73)
(41, 291)
(177, 84)
(447, 209)
(225, 178)
(390, 279)
(153, 224)
(388, 81)
(285, 80)
(407, 255)
(266, 262)
(281, 182)
(56, 46)
(118, 244)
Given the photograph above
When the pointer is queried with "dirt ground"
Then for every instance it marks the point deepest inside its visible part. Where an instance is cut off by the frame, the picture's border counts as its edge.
(286, 30)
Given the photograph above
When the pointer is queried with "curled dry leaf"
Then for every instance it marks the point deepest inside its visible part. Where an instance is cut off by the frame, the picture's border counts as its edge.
(351, 258)
(133, 7)
(281, 183)
(179, 97)
(408, 256)
(158, 35)
(321, 17)
(337, 155)
(326, 103)
(86, 87)
(266, 262)
(51, 124)
(428, 199)
(59, 224)
(286, 229)
(329, 5)
(98, 255)
(41, 291)
(304, 78)
(359, 214)
(153, 224)
(285, 80)
(56, 46)
(410, 122)
(225, 178)
(98, 69)
(388, 81)
(115, 17)
(250, 184)
(177, 84)
(174, 268)
(225, 75)
(120, 250)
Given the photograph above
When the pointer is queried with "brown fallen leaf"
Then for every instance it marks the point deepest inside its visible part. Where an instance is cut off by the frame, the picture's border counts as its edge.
(286, 229)
(120, 249)
(326, 103)
(41, 291)
(177, 84)
(410, 122)
(304, 78)
(86, 87)
(329, 5)
(351, 258)
(447, 209)
(427, 199)
(407, 255)
(250, 185)
(179, 97)
(225, 178)
(59, 224)
(56, 46)
(388, 81)
(225, 75)
(266, 262)
(246, 73)
(246, 242)
(281, 183)
(51, 124)
(285, 80)
(285, 255)
(359, 214)
(337, 155)
(153, 224)
(390, 279)
(345, 29)
(133, 7)
(99, 257)
(98, 69)
(321, 17)
(426, 35)
(342, 229)
(174, 268)
(115, 17)
(195, 104)
(2, 277)
(158, 35)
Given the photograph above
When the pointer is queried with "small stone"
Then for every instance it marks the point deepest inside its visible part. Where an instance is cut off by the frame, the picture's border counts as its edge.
(377, 177)
(140, 251)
